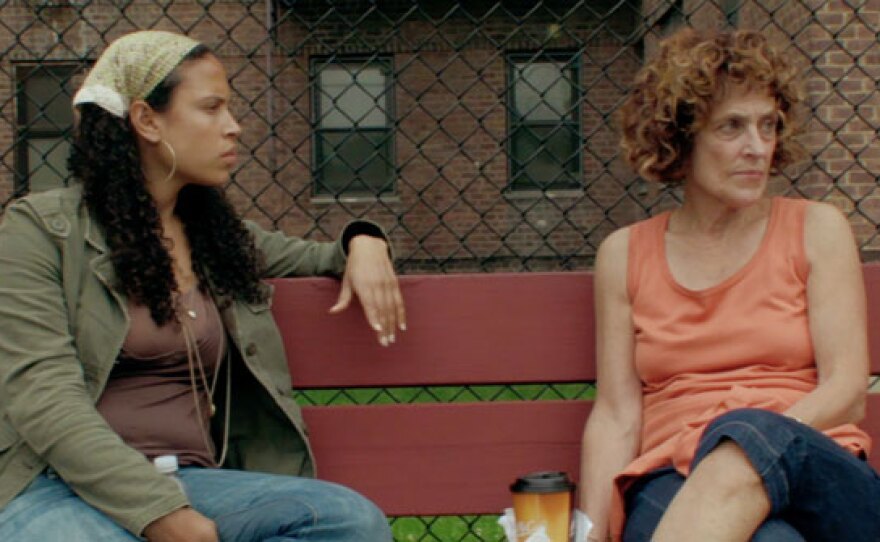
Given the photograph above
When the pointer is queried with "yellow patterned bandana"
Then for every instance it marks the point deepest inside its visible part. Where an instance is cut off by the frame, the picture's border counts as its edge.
(131, 67)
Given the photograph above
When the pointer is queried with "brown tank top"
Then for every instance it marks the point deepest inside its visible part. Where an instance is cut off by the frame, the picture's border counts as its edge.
(149, 399)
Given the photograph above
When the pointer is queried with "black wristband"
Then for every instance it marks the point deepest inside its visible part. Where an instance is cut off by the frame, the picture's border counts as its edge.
(361, 227)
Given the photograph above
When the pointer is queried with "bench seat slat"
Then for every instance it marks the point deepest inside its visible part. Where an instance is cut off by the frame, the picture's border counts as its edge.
(525, 320)
(429, 459)
(531, 328)
(872, 293)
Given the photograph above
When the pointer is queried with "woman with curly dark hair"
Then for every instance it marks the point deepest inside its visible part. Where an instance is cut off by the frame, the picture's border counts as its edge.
(732, 351)
(135, 333)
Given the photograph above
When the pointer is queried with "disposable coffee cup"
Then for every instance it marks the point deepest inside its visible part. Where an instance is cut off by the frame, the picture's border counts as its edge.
(542, 503)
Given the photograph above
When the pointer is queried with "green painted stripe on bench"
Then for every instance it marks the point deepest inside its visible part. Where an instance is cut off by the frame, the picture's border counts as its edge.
(444, 459)
(483, 528)
(525, 321)
(445, 394)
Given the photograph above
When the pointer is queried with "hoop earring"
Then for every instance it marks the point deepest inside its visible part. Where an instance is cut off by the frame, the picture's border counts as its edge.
(173, 160)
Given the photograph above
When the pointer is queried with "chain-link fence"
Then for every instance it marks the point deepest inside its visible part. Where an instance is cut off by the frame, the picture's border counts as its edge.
(480, 133)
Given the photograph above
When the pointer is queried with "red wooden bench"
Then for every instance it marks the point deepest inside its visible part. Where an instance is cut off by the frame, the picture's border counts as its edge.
(458, 458)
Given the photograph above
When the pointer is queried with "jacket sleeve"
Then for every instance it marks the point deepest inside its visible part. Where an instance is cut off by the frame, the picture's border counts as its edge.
(44, 392)
(287, 256)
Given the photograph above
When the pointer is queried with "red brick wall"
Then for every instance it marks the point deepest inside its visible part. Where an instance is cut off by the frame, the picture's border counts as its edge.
(450, 143)
(451, 77)
(837, 48)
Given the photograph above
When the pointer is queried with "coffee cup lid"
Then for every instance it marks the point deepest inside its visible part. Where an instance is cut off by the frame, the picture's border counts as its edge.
(542, 482)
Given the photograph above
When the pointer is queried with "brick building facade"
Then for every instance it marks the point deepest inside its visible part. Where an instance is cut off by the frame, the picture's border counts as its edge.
(480, 133)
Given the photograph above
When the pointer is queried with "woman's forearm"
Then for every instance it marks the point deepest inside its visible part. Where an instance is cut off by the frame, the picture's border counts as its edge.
(610, 444)
(833, 403)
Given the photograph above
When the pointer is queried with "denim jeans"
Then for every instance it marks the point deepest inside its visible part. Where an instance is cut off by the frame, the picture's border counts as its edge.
(818, 491)
(246, 506)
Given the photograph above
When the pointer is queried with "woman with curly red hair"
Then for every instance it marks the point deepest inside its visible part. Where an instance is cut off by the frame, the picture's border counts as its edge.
(732, 351)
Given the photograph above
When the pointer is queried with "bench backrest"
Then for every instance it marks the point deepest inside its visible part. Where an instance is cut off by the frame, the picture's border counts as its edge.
(456, 458)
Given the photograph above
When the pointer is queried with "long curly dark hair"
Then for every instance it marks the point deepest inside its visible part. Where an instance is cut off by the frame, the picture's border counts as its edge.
(105, 159)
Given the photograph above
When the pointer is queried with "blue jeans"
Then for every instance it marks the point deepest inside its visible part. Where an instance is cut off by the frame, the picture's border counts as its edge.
(818, 491)
(246, 506)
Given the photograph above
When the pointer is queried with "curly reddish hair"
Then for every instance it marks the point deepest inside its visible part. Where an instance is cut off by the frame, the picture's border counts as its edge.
(673, 95)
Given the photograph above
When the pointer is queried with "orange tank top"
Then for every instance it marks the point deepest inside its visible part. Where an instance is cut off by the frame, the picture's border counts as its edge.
(742, 343)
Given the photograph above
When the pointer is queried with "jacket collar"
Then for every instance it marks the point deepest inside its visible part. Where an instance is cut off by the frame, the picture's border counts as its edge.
(93, 234)
(101, 265)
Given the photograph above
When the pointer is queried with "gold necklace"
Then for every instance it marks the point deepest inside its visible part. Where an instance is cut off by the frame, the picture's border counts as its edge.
(194, 358)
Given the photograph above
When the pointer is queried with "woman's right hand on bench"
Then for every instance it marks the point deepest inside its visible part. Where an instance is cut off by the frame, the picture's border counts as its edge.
(183, 525)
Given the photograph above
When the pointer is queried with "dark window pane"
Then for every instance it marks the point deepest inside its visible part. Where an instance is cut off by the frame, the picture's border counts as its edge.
(47, 160)
(45, 115)
(544, 122)
(47, 99)
(353, 148)
(545, 157)
(354, 162)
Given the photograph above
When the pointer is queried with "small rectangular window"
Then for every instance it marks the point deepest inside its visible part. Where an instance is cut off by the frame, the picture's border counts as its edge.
(352, 102)
(44, 121)
(731, 12)
(544, 142)
(674, 17)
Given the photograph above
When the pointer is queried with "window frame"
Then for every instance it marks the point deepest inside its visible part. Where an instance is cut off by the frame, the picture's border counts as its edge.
(316, 66)
(64, 72)
(572, 122)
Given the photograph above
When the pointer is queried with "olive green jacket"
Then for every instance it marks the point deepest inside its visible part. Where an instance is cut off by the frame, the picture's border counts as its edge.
(62, 325)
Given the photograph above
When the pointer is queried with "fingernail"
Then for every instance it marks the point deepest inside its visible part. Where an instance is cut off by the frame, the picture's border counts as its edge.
(377, 327)
(402, 326)
(383, 341)
(392, 338)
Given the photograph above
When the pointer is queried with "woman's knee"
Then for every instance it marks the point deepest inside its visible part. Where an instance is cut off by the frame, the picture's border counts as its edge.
(344, 513)
(765, 438)
(244, 503)
(357, 518)
(374, 524)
